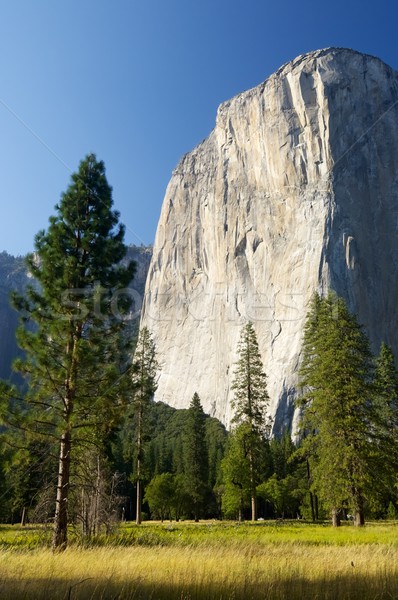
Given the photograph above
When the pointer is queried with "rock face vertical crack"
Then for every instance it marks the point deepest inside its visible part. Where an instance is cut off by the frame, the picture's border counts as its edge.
(294, 191)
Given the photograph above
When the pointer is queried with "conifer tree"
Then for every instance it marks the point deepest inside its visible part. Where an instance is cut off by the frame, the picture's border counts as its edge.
(250, 403)
(144, 386)
(196, 464)
(386, 381)
(386, 388)
(338, 415)
(216, 437)
(160, 495)
(281, 449)
(235, 467)
(76, 355)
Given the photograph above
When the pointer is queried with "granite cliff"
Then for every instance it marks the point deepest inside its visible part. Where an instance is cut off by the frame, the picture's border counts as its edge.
(295, 190)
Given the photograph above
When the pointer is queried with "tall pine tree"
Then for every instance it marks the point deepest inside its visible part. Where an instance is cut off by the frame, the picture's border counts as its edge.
(250, 403)
(144, 386)
(76, 354)
(236, 474)
(386, 388)
(338, 414)
(196, 461)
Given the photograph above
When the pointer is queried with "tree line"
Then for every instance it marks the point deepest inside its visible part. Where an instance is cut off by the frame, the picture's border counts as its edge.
(84, 431)
(343, 463)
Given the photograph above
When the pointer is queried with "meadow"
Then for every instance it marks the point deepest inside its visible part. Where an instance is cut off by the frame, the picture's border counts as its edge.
(205, 561)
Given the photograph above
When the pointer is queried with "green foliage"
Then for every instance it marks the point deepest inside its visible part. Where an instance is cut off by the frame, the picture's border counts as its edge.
(282, 449)
(182, 503)
(391, 512)
(160, 495)
(76, 356)
(76, 348)
(338, 416)
(250, 403)
(207, 562)
(143, 376)
(236, 473)
(196, 466)
(386, 402)
(81, 382)
(168, 448)
(144, 386)
(250, 387)
(144, 368)
(286, 489)
(168, 496)
(216, 438)
(212, 534)
(283, 494)
(162, 449)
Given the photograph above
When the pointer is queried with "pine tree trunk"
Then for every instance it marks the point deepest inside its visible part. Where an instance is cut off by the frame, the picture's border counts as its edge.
(96, 520)
(311, 494)
(138, 517)
(254, 507)
(312, 507)
(253, 486)
(336, 521)
(359, 517)
(60, 534)
(84, 513)
(138, 514)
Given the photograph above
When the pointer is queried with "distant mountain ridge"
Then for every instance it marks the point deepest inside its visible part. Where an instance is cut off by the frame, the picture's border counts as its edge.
(14, 277)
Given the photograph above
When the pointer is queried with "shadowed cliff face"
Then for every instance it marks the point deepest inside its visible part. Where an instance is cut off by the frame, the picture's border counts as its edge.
(361, 249)
(13, 277)
(295, 190)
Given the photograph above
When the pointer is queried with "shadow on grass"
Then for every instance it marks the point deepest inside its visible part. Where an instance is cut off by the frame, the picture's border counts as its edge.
(383, 587)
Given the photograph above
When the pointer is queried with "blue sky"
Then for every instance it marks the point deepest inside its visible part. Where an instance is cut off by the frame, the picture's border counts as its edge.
(139, 83)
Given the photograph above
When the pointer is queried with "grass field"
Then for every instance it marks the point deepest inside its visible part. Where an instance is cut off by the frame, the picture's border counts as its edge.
(206, 561)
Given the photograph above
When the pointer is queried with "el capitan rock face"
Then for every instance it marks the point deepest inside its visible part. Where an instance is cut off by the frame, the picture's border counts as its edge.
(295, 190)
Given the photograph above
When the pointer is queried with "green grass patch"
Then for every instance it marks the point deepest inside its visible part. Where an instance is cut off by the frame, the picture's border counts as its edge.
(182, 534)
(205, 561)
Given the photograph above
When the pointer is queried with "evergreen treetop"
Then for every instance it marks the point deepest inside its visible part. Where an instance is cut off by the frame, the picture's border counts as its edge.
(250, 383)
(338, 413)
(76, 357)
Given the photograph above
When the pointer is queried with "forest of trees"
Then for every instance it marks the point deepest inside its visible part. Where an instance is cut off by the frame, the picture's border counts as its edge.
(83, 444)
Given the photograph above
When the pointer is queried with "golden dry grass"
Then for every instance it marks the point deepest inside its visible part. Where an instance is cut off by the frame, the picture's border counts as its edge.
(246, 569)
